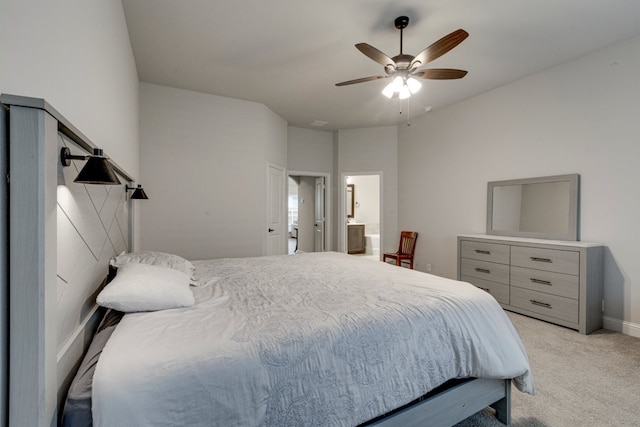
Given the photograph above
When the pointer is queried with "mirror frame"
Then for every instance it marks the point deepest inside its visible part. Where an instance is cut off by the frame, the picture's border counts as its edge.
(574, 208)
(351, 190)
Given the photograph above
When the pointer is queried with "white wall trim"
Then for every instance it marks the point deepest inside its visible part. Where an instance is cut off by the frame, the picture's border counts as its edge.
(622, 326)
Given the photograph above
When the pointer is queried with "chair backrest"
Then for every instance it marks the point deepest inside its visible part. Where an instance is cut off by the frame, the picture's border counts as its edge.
(408, 242)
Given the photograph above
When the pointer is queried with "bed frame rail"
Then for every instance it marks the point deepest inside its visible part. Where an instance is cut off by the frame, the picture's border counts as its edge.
(455, 404)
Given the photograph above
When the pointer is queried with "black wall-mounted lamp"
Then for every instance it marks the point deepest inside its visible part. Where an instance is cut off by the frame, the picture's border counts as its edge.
(97, 170)
(138, 193)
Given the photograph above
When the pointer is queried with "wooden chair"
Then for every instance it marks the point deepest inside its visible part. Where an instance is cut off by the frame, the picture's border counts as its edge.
(405, 250)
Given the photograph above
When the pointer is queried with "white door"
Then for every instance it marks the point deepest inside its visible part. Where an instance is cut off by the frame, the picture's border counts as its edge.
(275, 210)
(319, 215)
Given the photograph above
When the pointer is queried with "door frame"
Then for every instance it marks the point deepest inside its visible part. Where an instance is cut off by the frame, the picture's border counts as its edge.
(327, 201)
(342, 208)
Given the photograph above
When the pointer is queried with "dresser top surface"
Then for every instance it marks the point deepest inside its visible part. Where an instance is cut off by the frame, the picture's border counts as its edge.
(574, 244)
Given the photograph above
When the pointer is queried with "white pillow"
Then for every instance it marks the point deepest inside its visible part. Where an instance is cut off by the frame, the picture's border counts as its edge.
(143, 287)
(154, 258)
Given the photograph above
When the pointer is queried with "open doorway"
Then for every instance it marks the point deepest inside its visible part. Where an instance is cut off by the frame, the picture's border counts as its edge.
(363, 215)
(292, 216)
(308, 212)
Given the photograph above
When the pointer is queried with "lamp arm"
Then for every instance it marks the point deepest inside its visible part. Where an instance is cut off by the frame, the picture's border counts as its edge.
(66, 156)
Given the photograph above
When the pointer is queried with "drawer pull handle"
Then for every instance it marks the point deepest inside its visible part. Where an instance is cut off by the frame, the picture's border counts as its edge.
(541, 304)
(480, 251)
(535, 258)
(483, 270)
(485, 289)
(541, 282)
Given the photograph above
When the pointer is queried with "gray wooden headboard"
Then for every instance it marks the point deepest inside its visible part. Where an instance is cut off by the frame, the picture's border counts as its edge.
(61, 237)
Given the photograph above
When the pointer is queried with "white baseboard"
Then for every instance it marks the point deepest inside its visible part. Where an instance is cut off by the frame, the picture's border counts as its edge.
(622, 326)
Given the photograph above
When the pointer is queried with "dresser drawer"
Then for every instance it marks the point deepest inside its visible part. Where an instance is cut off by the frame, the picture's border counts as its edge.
(564, 285)
(485, 270)
(499, 291)
(492, 252)
(549, 305)
(567, 262)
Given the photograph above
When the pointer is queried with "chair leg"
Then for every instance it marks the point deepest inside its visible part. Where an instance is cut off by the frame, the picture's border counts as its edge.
(398, 261)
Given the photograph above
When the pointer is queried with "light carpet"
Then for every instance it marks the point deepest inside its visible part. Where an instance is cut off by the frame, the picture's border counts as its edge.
(581, 380)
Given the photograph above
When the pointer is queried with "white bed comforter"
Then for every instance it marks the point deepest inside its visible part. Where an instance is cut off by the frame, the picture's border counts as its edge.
(305, 340)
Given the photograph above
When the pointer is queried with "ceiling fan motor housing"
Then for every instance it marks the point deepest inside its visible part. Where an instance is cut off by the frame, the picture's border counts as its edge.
(403, 61)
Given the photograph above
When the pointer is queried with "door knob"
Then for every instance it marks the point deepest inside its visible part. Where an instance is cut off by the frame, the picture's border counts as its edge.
(271, 230)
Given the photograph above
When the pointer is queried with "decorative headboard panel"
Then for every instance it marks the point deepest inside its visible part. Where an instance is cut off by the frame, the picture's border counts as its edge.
(92, 227)
(62, 235)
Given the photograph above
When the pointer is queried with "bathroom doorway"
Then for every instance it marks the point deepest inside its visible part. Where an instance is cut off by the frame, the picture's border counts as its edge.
(362, 214)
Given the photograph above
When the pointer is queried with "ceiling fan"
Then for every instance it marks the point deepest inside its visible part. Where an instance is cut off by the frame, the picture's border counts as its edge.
(404, 68)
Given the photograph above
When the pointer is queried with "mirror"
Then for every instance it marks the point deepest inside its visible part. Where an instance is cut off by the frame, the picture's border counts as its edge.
(543, 208)
(350, 200)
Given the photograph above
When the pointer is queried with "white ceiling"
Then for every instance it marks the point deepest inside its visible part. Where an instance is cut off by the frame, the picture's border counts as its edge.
(288, 54)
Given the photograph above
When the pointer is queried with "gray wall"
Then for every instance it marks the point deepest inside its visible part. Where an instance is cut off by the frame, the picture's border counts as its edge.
(309, 150)
(204, 162)
(579, 117)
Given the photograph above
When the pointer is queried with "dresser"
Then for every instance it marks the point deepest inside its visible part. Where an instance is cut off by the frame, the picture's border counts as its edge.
(356, 241)
(556, 281)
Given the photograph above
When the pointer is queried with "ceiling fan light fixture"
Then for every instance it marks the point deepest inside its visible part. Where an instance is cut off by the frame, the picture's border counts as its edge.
(388, 90)
(398, 83)
(404, 92)
(414, 85)
(401, 86)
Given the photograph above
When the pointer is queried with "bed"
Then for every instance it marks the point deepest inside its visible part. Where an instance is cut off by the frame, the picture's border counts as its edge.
(53, 315)
(309, 339)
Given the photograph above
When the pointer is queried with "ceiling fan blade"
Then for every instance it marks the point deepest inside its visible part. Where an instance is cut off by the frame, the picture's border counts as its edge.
(440, 74)
(362, 80)
(439, 48)
(375, 54)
